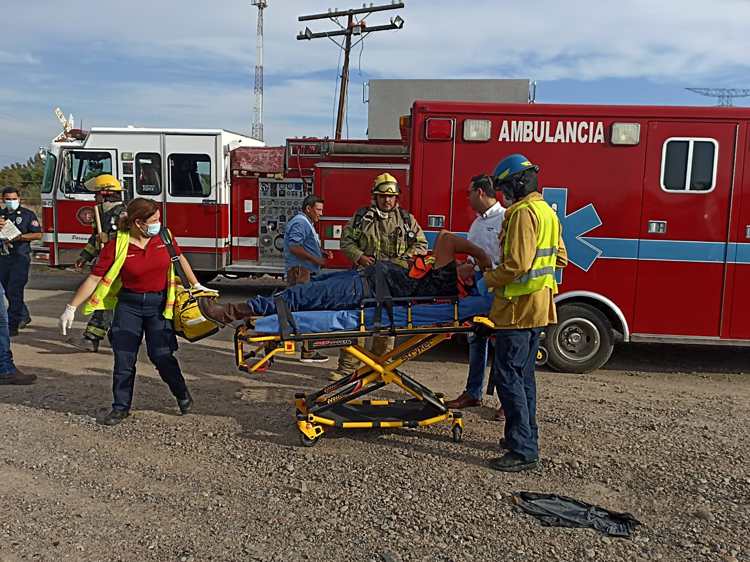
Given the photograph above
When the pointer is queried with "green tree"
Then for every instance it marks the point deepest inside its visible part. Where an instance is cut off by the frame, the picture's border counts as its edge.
(26, 177)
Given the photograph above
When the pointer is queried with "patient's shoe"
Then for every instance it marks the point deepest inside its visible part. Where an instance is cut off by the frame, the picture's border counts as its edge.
(224, 314)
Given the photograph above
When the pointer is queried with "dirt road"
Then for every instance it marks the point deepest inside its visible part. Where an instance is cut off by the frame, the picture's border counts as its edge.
(661, 432)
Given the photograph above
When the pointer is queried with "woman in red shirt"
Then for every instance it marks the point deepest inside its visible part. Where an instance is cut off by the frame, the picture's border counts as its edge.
(140, 307)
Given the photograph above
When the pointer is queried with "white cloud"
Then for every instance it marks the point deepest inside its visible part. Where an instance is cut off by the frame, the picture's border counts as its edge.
(8, 58)
(668, 41)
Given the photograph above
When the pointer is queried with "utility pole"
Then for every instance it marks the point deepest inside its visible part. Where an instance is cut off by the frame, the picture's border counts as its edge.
(257, 131)
(724, 95)
(355, 25)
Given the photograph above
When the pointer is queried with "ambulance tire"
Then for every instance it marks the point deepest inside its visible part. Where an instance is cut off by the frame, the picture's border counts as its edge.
(205, 276)
(581, 341)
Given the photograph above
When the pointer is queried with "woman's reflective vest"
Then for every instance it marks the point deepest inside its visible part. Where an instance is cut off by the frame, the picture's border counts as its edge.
(105, 294)
(542, 272)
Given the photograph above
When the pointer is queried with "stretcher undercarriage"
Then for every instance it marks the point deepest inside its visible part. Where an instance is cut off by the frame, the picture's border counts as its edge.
(342, 404)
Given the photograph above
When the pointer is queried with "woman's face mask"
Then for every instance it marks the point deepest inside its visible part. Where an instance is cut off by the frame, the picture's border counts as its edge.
(12, 204)
(151, 229)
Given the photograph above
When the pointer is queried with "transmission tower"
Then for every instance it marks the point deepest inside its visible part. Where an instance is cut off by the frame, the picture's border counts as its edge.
(724, 95)
(355, 25)
(258, 89)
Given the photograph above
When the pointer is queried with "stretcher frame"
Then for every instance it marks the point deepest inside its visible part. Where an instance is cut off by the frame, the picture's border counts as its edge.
(316, 413)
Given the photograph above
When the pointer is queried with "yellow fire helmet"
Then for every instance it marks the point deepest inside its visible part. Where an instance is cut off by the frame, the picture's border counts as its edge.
(104, 182)
(385, 184)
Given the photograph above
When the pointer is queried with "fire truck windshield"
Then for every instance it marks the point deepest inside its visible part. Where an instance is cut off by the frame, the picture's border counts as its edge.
(81, 166)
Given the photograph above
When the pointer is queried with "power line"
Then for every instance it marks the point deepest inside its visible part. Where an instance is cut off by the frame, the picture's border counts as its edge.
(352, 28)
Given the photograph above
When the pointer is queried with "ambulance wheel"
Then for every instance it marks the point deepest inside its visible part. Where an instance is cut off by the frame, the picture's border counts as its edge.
(306, 441)
(457, 433)
(581, 341)
(205, 276)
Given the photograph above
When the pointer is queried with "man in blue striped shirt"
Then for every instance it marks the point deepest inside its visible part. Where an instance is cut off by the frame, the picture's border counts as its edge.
(303, 255)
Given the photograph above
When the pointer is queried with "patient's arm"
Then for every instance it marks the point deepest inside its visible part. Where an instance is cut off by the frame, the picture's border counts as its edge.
(448, 245)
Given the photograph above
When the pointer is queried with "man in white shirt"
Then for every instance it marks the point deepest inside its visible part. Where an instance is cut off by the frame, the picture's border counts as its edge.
(484, 232)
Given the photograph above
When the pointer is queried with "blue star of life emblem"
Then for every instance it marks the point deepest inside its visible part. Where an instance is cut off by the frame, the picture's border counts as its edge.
(581, 252)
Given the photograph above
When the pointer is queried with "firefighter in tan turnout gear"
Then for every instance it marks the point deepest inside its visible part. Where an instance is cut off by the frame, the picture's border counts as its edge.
(382, 231)
(109, 208)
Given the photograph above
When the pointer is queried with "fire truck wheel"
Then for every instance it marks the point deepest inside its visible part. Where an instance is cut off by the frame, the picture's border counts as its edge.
(582, 340)
(205, 276)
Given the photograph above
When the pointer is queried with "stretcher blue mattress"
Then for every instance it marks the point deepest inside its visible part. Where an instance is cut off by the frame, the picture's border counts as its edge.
(348, 320)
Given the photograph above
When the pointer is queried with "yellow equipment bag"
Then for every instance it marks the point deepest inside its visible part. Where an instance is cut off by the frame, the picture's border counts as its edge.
(189, 323)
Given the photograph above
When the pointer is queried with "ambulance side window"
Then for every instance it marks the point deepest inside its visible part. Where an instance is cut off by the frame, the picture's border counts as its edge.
(189, 175)
(689, 164)
(148, 173)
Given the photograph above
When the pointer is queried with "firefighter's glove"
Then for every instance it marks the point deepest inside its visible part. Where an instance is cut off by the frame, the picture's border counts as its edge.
(201, 288)
(67, 318)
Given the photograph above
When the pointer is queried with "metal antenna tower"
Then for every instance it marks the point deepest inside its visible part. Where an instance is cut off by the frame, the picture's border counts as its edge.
(257, 132)
(354, 26)
(724, 95)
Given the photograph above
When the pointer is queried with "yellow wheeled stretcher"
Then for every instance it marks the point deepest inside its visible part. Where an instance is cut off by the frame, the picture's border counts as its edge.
(341, 404)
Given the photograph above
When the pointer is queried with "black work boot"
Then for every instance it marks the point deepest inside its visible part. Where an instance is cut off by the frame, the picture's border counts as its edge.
(113, 417)
(513, 462)
(85, 344)
(185, 404)
(16, 377)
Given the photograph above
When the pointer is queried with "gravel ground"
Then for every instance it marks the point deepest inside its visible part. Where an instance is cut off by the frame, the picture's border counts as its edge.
(661, 432)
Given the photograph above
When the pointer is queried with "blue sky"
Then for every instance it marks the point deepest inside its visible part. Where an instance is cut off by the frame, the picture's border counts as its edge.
(190, 64)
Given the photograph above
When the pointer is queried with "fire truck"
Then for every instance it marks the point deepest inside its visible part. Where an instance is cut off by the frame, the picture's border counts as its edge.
(654, 204)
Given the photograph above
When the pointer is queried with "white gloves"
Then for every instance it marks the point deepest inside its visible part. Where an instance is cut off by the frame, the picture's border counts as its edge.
(66, 319)
(199, 287)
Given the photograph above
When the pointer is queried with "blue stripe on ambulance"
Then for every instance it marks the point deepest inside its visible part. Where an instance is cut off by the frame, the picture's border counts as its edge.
(657, 250)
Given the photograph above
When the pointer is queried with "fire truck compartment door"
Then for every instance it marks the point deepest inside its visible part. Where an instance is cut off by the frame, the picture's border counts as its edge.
(684, 219)
(196, 208)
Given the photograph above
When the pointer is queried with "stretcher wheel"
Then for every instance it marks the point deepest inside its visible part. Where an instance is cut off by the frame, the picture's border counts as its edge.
(457, 433)
(541, 356)
(307, 442)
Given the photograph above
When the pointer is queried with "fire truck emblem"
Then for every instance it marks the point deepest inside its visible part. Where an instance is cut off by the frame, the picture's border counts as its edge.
(581, 252)
(85, 216)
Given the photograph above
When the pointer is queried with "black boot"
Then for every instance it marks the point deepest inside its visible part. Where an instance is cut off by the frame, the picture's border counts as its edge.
(185, 404)
(113, 417)
(513, 462)
(16, 377)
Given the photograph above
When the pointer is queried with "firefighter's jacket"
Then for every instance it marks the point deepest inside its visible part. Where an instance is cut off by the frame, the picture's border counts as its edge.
(109, 226)
(393, 236)
(519, 242)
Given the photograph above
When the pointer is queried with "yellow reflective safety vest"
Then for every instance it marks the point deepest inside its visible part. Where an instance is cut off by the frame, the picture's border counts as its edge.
(105, 294)
(542, 272)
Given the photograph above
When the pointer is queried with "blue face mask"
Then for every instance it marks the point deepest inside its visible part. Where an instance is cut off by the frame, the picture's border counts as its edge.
(12, 204)
(153, 229)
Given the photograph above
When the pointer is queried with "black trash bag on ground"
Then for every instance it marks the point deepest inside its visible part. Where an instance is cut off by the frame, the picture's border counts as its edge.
(560, 511)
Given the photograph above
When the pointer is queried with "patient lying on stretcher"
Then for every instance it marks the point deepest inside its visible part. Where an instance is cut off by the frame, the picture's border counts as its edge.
(435, 276)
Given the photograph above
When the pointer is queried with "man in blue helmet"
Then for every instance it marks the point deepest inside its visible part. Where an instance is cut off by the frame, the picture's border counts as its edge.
(531, 249)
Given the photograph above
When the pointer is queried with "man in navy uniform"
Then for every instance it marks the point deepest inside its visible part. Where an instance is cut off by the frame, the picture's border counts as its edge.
(15, 256)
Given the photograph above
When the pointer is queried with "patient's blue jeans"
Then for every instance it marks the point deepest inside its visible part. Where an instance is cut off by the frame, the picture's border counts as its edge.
(341, 290)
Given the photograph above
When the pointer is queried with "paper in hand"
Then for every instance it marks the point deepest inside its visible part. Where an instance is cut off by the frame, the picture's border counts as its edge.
(9, 231)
